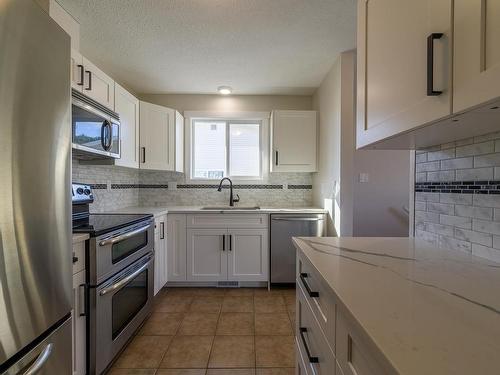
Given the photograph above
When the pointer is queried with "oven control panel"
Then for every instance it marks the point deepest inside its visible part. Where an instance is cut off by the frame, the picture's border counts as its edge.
(82, 193)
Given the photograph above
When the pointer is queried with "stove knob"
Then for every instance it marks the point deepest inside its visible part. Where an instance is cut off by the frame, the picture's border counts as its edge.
(86, 192)
(79, 191)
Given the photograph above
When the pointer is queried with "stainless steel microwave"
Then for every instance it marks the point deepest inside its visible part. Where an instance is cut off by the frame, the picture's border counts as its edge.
(96, 129)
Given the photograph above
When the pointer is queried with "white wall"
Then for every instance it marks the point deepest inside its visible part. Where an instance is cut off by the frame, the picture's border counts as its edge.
(194, 102)
(373, 208)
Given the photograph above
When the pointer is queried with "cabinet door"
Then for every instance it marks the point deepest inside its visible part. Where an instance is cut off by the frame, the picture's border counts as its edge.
(392, 73)
(157, 137)
(206, 255)
(77, 70)
(160, 268)
(179, 142)
(127, 106)
(176, 247)
(248, 255)
(79, 324)
(294, 141)
(476, 62)
(98, 86)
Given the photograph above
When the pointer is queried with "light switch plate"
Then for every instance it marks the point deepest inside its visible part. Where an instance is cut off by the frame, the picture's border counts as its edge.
(364, 177)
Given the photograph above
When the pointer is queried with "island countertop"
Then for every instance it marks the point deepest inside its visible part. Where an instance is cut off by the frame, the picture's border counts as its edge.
(428, 310)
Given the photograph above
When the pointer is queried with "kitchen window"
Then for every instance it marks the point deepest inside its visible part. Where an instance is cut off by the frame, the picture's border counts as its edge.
(226, 148)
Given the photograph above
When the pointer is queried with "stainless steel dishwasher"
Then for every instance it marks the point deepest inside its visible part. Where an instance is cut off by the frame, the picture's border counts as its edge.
(283, 228)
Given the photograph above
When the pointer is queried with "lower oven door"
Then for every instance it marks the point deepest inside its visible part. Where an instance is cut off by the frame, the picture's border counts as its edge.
(117, 309)
(112, 252)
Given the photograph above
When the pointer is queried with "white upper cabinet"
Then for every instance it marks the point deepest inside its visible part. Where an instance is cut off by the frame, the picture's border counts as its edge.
(161, 135)
(97, 85)
(127, 106)
(293, 141)
(77, 71)
(476, 53)
(403, 66)
(179, 142)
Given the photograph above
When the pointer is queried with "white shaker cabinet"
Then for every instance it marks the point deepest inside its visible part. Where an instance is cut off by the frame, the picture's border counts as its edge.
(158, 139)
(179, 142)
(206, 254)
(127, 106)
(293, 141)
(98, 85)
(160, 249)
(476, 76)
(248, 256)
(77, 70)
(403, 66)
(176, 247)
(78, 314)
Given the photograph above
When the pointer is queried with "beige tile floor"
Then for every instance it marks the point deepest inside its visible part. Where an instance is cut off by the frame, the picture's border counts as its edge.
(212, 331)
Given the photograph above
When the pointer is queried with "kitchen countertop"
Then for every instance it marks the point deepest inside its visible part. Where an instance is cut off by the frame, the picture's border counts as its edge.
(159, 211)
(429, 310)
(80, 237)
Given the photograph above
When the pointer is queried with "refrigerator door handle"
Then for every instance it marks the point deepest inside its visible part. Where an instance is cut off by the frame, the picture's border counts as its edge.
(40, 360)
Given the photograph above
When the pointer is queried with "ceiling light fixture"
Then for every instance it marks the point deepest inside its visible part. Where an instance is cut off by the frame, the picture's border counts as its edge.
(224, 90)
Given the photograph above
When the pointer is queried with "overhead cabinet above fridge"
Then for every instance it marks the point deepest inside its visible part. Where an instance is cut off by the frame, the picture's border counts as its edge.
(428, 72)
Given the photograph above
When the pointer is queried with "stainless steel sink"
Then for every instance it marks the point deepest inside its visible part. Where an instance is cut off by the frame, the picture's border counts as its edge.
(224, 208)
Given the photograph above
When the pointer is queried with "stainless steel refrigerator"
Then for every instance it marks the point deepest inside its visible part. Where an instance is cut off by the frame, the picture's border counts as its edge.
(35, 195)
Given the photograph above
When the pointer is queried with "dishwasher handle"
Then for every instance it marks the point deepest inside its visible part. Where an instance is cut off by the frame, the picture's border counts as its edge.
(298, 218)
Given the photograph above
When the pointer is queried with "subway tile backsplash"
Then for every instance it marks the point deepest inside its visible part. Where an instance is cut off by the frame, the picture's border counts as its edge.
(118, 187)
(457, 195)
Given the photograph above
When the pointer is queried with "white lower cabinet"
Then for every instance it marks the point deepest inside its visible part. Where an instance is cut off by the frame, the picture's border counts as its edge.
(218, 247)
(160, 268)
(176, 247)
(79, 324)
(206, 254)
(248, 258)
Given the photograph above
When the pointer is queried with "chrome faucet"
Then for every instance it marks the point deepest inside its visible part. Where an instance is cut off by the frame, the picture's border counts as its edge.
(232, 200)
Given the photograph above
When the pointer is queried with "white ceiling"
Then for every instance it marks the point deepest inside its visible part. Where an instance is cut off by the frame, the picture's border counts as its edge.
(194, 46)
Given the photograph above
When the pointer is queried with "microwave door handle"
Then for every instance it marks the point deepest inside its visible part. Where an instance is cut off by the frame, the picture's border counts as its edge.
(124, 236)
(103, 134)
(120, 284)
(110, 136)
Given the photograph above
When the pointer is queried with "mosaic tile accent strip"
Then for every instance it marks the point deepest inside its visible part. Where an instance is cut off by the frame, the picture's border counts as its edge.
(99, 186)
(457, 195)
(459, 187)
(235, 186)
(305, 187)
(139, 186)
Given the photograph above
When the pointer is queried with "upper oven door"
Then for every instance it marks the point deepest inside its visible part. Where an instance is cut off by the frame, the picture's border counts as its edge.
(112, 252)
(94, 131)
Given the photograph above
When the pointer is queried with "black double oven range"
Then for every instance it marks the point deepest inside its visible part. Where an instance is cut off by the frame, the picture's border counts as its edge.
(119, 276)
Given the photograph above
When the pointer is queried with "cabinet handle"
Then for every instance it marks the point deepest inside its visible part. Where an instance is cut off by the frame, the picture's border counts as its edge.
(143, 149)
(430, 64)
(230, 242)
(312, 294)
(162, 230)
(89, 87)
(80, 66)
(276, 157)
(75, 259)
(223, 242)
(81, 299)
(312, 359)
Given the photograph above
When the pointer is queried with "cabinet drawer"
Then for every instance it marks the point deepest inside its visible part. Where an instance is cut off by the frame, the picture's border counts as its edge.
(355, 353)
(300, 366)
(78, 257)
(317, 354)
(319, 297)
(227, 220)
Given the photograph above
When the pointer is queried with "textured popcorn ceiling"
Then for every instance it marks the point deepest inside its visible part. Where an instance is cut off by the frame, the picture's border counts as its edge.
(194, 46)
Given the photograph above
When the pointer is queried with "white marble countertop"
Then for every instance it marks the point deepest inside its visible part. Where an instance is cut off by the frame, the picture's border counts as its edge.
(429, 310)
(80, 237)
(158, 211)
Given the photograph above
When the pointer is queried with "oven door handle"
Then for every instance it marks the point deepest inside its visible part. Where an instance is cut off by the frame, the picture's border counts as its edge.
(124, 236)
(120, 284)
